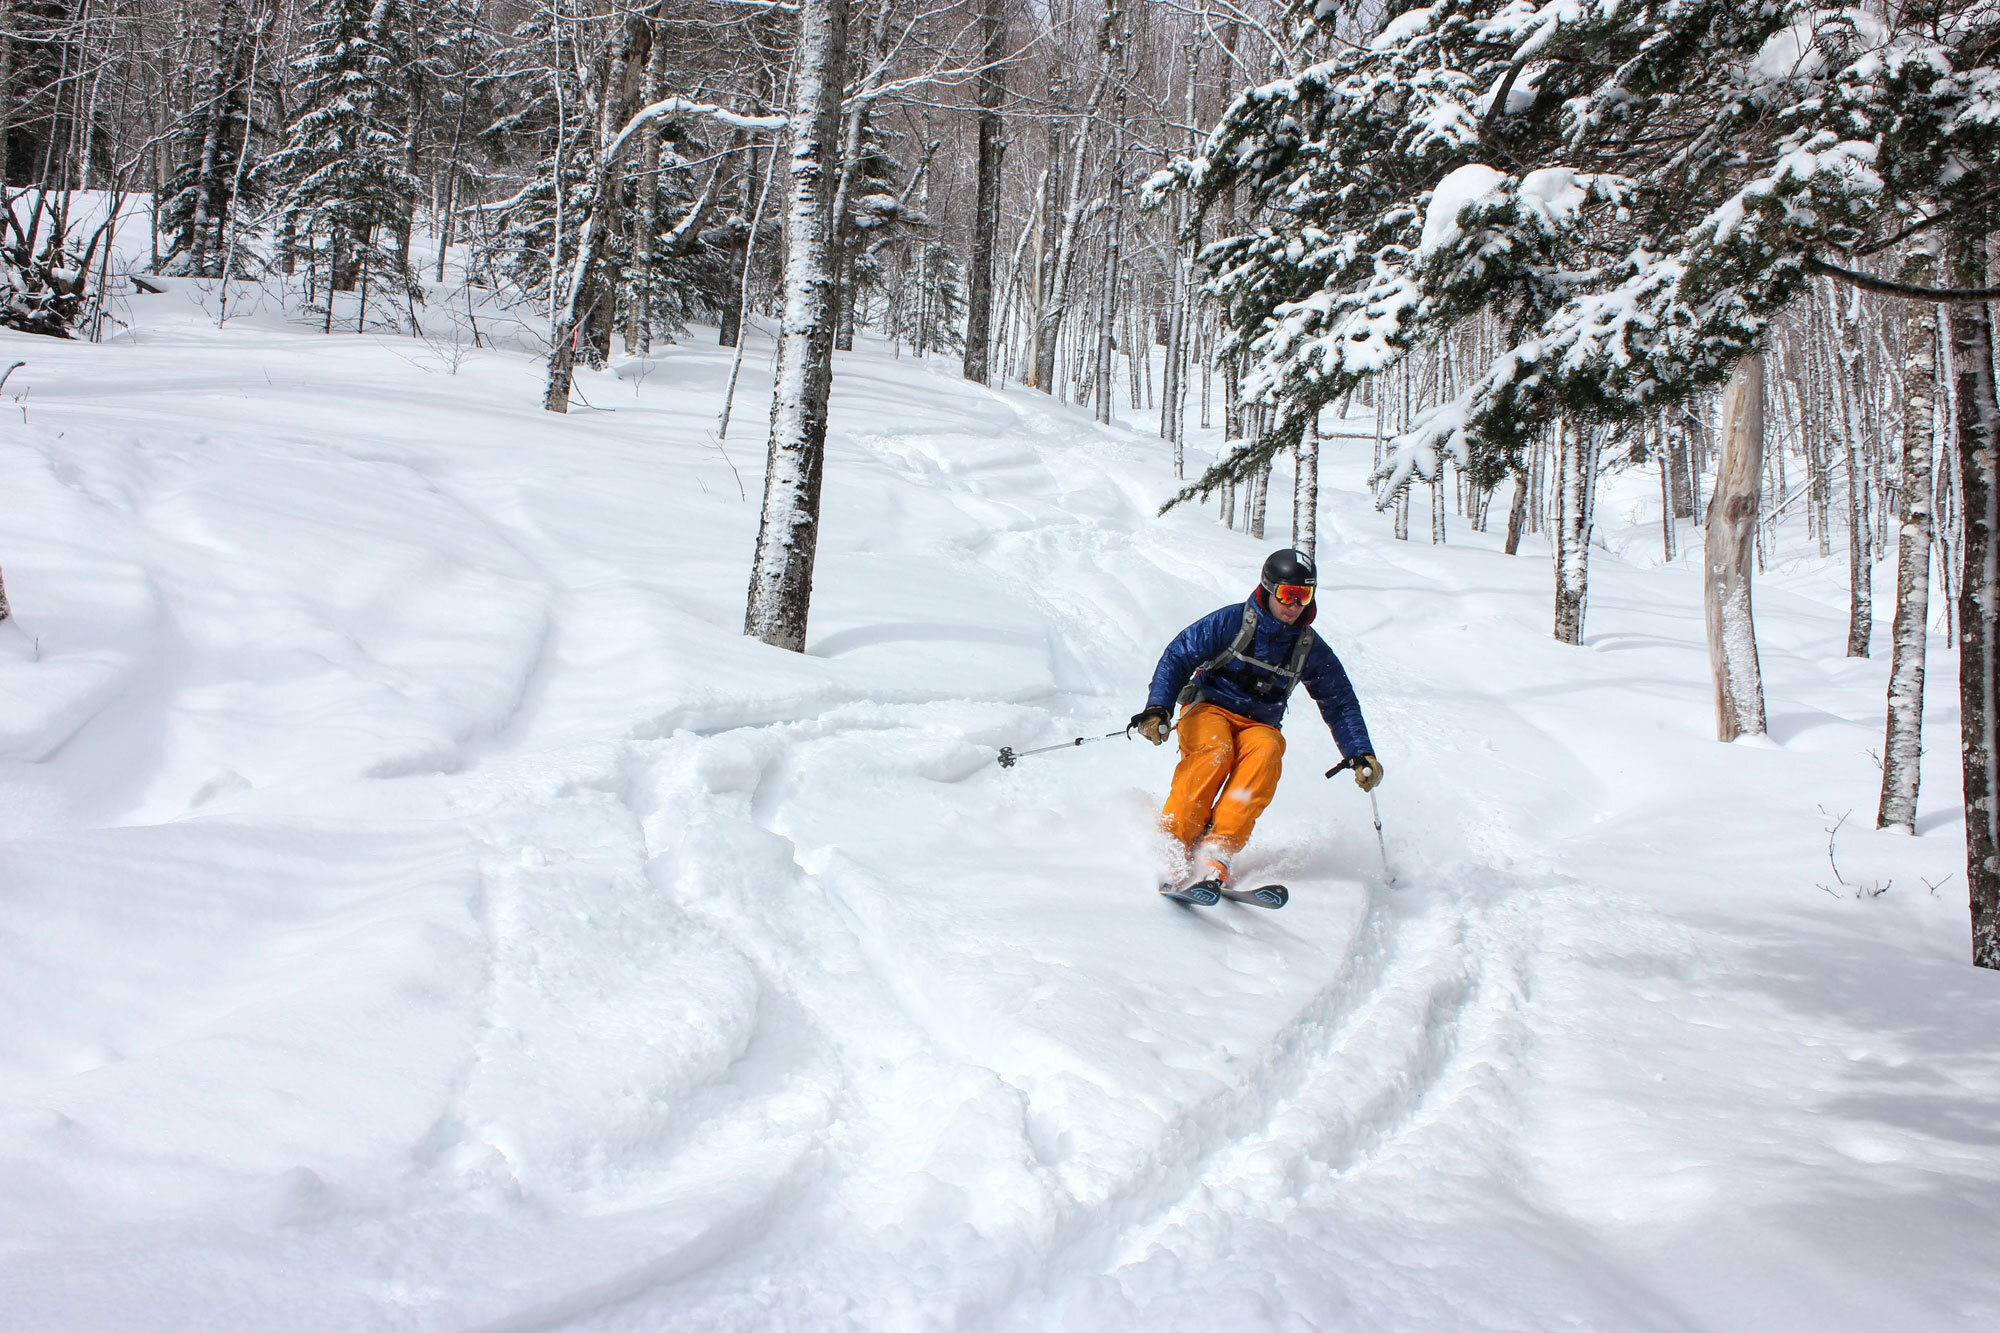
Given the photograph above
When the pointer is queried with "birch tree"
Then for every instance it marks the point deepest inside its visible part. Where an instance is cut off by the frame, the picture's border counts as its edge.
(1579, 450)
(1729, 557)
(1978, 447)
(1902, 744)
(788, 531)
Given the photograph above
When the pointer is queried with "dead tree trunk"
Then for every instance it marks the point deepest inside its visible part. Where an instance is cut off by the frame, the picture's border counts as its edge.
(1729, 556)
(1902, 745)
(788, 533)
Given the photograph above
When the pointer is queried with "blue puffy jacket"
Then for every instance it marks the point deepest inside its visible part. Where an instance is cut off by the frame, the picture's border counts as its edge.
(1236, 685)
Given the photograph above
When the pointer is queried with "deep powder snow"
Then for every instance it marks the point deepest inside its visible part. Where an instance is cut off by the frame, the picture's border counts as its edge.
(421, 907)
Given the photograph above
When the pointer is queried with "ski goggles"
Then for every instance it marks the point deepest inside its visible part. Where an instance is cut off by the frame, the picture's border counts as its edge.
(1293, 594)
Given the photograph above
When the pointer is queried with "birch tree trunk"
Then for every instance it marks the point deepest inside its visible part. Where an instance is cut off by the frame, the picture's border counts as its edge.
(986, 211)
(1676, 433)
(1517, 514)
(1170, 366)
(1979, 586)
(1728, 554)
(1054, 296)
(1107, 310)
(788, 533)
(1576, 494)
(1860, 530)
(1305, 493)
(1666, 493)
(1902, 745)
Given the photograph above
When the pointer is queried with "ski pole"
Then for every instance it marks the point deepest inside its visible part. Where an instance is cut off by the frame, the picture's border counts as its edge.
(1008, 754)
(1376, 808)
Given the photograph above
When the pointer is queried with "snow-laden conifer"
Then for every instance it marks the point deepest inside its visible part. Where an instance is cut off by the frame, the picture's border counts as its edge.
(341, 177)
(1635, 189)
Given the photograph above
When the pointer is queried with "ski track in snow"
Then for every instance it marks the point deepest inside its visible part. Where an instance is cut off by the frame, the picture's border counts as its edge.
(521, 948)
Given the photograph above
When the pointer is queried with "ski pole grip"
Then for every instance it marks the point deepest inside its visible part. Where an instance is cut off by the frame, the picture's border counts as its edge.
(1340, 767)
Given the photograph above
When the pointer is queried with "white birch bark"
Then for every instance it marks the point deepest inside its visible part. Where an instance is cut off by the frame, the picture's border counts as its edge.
(1860, 531)
(788, 533)
(1978, 442)
(1054, 297)
(1576, 496)
(1902, 745)
(1728, 555)
(1305, 493)
(1107, 308)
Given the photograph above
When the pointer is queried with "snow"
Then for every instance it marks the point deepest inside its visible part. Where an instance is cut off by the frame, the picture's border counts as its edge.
(1794, 51)
(1555, 191)
(421, 906)
(1400, 29)
(1469, 184)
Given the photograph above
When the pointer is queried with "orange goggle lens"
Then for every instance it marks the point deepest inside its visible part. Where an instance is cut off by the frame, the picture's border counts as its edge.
(1296, 594)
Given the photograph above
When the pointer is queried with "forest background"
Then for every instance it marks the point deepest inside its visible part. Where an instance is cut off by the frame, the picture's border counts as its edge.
(1062, 194)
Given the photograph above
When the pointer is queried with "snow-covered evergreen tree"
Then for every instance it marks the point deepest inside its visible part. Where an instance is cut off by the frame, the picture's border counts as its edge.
(208, 185)
(1635, 188)
(341, 177)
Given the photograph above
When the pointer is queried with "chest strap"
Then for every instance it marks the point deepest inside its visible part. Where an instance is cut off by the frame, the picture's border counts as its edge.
(1239, 651)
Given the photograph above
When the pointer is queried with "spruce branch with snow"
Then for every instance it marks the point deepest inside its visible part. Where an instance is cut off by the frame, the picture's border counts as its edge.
(1634, 190)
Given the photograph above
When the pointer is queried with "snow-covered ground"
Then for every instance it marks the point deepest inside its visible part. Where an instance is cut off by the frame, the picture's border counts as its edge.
(420, 907)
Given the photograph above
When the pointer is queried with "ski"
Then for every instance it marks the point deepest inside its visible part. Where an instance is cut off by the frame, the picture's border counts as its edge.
(1203, 893)
(1272, 896)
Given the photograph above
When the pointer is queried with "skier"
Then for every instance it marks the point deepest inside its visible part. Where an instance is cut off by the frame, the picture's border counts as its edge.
(1231, 673)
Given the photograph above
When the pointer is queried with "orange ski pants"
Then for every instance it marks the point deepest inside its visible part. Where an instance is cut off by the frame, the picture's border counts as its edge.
(1227, 776)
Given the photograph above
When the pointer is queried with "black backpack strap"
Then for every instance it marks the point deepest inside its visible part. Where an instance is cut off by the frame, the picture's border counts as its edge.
(1300, 652)
(1237, 647)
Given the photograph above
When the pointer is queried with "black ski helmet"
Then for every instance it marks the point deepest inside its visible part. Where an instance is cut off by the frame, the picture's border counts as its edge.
(1288, 566)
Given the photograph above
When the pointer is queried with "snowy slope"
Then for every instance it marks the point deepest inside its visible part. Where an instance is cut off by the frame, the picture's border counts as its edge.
(421, 907)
